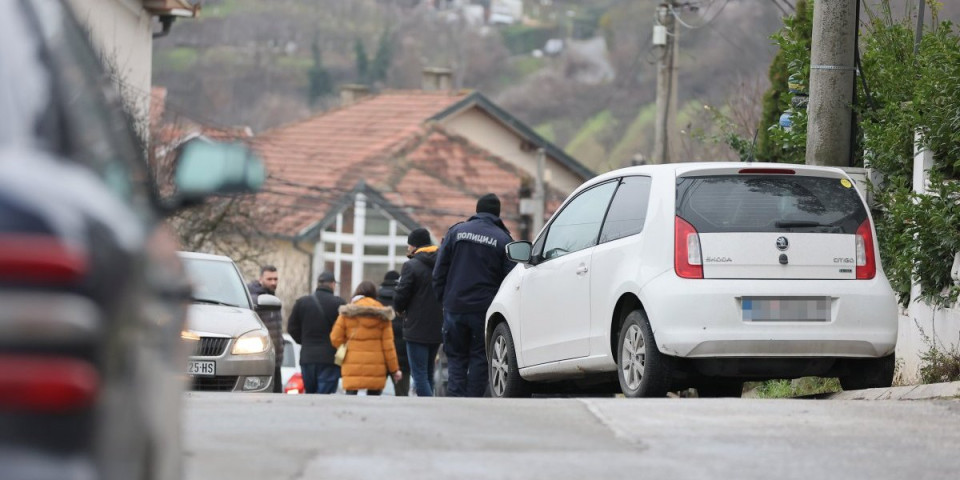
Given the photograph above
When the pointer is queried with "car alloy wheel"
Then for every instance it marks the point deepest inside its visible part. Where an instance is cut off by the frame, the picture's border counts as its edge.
(633, 357)
(498, 366)
(505, 380)
(642, 370)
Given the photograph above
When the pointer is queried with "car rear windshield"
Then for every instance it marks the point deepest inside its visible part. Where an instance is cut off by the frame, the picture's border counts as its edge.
(769, 203)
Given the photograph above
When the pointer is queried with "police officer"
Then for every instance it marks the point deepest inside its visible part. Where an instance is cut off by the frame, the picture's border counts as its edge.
(471, 264)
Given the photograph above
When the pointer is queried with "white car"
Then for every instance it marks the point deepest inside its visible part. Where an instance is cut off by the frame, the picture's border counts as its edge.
(697, 275)
(290, 375)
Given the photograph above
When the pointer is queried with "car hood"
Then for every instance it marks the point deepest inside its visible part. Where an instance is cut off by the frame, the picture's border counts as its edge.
(221, 320)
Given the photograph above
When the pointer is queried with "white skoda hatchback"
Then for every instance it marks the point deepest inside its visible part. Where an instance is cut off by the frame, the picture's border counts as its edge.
(697, 275)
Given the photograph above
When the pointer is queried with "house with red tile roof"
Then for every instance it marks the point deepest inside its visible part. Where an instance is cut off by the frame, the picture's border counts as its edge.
(345, 187)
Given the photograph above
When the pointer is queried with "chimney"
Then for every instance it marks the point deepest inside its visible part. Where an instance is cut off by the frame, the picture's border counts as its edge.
(351, 92)
(437, 78)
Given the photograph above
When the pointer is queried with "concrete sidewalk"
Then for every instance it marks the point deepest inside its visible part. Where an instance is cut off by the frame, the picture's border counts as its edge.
(931, 391)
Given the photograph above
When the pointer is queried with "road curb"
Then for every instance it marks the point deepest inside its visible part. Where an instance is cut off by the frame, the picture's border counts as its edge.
(931, 391)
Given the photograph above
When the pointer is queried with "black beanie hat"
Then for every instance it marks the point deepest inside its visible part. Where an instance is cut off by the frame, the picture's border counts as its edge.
(489, 203)
(419, 237)
(391, 276)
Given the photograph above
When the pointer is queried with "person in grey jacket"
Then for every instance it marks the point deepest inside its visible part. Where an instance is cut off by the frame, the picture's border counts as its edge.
(310, 323)
(423, 315)
(273, 320)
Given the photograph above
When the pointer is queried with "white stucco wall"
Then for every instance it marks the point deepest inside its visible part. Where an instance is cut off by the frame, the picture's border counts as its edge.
(121, 33)
(941, 326)
(480, 129)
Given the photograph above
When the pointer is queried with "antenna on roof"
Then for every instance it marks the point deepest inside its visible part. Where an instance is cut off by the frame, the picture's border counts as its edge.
(753, 147)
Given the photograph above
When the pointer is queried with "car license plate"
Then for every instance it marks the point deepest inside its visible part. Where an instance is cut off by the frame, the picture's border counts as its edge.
(202, 368)
(792, 309)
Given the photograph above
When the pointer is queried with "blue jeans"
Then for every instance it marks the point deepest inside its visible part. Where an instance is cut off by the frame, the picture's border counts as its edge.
(320, 377)
(463, 342)
(422, 357)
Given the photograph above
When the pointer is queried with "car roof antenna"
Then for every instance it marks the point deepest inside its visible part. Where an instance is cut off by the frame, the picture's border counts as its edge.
(753, 147)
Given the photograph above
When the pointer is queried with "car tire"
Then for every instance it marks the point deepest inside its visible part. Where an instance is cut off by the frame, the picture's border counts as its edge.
(505, 380)
(642, 370)
(869, 373)
(720, 389)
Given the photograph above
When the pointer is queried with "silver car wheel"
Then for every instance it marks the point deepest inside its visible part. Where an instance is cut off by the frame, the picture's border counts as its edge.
(633, 356)
(500, 365)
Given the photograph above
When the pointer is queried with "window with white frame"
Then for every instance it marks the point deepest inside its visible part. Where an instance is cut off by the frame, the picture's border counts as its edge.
(364, 243)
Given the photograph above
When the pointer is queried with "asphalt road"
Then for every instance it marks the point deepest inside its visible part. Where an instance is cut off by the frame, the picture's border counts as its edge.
(264, 436)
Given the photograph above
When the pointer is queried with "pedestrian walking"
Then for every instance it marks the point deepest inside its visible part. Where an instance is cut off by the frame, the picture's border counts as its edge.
(310, 324)
(471, 264)
(365, 326)
(421, 311)
(273, 320)
(386, 296)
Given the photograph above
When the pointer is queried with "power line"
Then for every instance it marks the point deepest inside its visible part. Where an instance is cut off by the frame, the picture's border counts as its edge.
(676, 15)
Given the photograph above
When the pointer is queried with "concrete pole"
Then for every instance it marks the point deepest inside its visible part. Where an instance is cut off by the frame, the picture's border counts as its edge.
(832, 74)
(539, 195)
(666, 95)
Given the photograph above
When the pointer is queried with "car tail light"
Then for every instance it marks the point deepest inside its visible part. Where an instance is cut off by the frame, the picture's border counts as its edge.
(47, 384)
(687, 259)
(294, 385)
(767, 171)
(39, 259)
(866, 259)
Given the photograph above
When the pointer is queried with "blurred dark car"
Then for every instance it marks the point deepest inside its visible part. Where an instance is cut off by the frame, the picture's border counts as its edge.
(93, 295)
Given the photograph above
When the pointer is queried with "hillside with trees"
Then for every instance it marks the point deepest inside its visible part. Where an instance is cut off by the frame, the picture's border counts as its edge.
(262, 64)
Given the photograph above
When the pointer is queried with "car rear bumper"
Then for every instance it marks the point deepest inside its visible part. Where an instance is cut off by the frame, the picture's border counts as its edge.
(703, 318)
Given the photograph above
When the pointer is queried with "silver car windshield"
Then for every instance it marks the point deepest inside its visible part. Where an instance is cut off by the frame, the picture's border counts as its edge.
(216, 282)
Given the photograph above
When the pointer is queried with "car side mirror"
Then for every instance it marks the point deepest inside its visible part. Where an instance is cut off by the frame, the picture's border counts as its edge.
(207, 168)
(519, 251)
(268, 303)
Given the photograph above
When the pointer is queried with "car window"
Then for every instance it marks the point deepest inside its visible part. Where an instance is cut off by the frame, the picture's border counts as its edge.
(770, 203)
(628, 210)
(577, 226)
(216, 281)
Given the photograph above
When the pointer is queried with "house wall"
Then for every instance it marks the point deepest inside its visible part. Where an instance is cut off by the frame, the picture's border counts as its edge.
(121, 33)
(480, 129)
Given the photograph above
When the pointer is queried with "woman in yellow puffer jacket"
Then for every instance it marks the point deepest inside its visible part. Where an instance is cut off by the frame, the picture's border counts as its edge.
(364, 324)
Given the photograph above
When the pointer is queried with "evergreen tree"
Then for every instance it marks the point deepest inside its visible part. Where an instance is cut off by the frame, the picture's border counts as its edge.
(319, 79)
(363, 64)
(382, 59)
(791, 64)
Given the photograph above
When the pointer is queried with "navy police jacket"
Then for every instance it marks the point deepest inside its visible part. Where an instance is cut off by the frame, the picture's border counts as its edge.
(471, 264)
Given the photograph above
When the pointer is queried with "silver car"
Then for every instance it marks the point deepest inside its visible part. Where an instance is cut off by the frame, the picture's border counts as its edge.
(233, 351)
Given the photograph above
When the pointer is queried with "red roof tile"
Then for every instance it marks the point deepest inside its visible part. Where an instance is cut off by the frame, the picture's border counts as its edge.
(385, 142)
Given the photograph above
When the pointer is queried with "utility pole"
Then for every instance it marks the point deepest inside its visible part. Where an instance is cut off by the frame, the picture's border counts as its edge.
(665, 37)
(539, 194)
(832, 76)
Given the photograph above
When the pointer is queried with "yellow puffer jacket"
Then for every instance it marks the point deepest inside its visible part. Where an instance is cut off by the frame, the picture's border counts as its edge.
(365, 326)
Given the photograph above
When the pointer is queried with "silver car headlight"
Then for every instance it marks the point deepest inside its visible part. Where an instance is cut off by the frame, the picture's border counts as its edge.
(256, 341)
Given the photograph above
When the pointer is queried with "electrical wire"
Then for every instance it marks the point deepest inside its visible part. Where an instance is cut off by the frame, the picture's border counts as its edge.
(676, 16)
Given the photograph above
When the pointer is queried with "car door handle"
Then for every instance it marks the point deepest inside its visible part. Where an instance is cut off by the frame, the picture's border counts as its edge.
(582, 270)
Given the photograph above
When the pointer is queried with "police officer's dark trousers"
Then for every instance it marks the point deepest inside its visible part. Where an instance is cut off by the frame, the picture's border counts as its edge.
(466, 357)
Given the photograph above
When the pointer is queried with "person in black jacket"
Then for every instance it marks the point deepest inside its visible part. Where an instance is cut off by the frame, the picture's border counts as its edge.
(267, 284)
(385, 296)
(471, 264)
(310, 323)
(423, 315)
